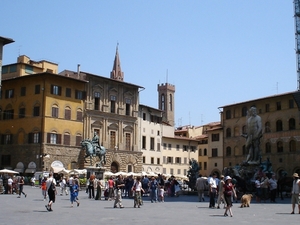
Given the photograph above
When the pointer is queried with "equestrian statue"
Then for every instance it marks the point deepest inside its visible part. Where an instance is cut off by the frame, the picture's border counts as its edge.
(93, 149)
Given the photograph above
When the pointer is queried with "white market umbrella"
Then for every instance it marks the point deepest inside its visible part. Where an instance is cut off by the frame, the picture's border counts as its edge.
(8, 171)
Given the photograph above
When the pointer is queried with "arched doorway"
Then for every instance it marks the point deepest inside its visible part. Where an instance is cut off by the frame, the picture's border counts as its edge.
(114, 167)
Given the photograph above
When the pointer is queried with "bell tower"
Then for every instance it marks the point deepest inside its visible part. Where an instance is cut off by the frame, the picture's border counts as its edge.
(116, 72)
(166, 102)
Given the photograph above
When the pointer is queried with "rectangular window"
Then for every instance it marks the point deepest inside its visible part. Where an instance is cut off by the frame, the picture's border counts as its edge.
(67, 139)
(80, 95)
(144, 116)
(144, 142)
(67, 114)
(158, 147)
(97, 101)
(165, 146)
(128, 142)
(177, 147)
(34, 138)
(4, 69)
(158, 161)
(37, 89)
(68, 92)
(152, 160)
(28, 69)
(53, 139)
(278, 105)
(152, 143)
(113, 104)
(178, 171)
(169, 146)
(79, 116)
(170, 160)
(178, 160)
(9, 93)
(144, 159)
(267, 107)
(185, 160)
(112, 139)
(13, 68)
(55, 90)
(36, 111)
(193, 148)
(215, 137)
(22, 113)
(184, 148)
(6, 139)
(128, 103)
(54, 112)
(171, 171)
(205, 166)
(214, 152)
(291, 103)
(164, 159)
(8, 114)
(23, 91)
(200, 165)
(78, 140)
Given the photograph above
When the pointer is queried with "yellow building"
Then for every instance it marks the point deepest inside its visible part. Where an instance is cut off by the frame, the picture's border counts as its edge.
(41, 119)
(281, 131)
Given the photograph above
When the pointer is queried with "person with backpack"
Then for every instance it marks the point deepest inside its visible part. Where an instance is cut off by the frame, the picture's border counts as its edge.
(51, 189)
(153, 189)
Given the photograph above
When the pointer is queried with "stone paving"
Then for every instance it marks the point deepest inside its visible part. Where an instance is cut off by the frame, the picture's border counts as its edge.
(184, 209)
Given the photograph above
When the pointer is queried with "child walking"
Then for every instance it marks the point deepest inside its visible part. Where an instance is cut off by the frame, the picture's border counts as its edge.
(161, 193)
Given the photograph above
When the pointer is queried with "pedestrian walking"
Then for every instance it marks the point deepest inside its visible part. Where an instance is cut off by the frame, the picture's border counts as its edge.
(137, 190)
(296, 193)
(119, 185)
(229, 191)
(220, 192)
(21, 184)
(153, 189)
(63, 186)
(44, 187)
(273, 188)
(212, 190)
(51, 190)
(74, 193)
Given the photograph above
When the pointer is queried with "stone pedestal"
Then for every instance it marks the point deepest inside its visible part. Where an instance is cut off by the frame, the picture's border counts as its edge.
(97, 171)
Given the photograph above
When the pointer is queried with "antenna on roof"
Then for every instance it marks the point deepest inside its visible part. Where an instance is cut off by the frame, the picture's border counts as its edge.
(167, 77)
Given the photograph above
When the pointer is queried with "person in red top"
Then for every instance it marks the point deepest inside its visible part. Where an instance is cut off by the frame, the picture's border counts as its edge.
(111, 184)
(228, 190)
(44, 188)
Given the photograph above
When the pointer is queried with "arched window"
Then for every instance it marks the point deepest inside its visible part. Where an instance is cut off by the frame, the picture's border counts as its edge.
(292, 124)
(55, 111)
(267, 127)
(68, 113)
(279, 146)
(268, 147)
(292, 146)
(228, 151)
(228, 132)
(278, 125)
(205, 152)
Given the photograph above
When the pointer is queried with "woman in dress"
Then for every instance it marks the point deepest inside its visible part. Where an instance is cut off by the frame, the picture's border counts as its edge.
(228, 190)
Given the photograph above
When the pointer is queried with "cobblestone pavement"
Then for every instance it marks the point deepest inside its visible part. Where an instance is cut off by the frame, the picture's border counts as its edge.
(176, 210)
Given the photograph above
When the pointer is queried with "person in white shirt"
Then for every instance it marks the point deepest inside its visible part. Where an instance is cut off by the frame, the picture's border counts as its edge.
(212, 190)
(51, 184)
(296, 193)
(137, 189)
(63, 186)
(9, 184)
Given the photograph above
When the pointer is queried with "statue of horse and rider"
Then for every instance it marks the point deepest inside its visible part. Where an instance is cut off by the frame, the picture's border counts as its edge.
(93, 149)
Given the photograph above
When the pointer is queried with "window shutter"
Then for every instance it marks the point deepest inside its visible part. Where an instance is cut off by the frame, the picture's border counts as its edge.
(48, 137)
(30, 138)
(58, 139)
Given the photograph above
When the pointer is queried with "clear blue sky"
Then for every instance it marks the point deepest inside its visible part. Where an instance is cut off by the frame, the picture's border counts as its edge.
(215, 52)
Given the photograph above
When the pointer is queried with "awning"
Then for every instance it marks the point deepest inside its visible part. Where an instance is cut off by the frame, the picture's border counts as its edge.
(30, 170)
(57, 169)
(20, 170)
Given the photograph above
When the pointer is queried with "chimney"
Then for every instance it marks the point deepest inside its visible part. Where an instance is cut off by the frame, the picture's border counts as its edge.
(78, 70)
